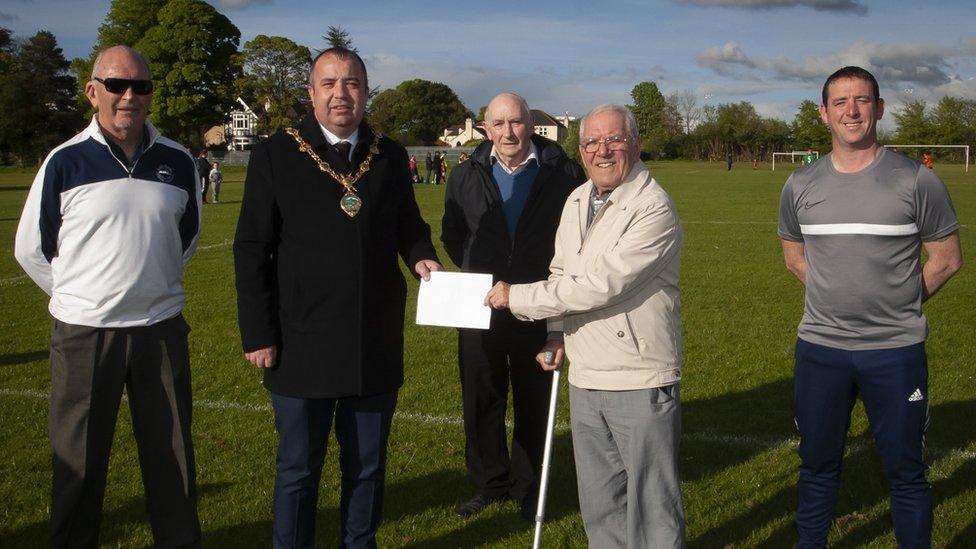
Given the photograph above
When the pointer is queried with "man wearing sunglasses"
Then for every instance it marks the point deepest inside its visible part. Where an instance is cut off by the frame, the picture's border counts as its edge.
(613, 291)
(110, 221)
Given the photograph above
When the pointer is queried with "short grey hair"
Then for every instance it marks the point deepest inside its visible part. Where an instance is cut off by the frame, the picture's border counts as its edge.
(132, 51)
(523, 106)
(630, 123)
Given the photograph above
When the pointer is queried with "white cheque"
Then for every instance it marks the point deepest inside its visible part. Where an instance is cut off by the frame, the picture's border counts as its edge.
(454, 299)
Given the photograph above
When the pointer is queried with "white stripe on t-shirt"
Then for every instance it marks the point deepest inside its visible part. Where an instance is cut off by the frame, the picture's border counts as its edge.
(860, 228)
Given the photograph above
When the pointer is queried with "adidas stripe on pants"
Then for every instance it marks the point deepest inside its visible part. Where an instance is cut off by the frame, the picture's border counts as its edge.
(893, 384)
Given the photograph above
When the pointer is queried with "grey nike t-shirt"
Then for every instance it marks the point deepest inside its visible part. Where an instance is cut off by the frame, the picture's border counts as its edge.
(862, 235)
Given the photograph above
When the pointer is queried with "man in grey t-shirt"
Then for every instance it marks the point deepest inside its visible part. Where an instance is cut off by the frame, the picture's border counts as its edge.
(853, 226)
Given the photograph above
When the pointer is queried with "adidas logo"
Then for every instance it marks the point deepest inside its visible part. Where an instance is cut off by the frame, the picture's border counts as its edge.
(916, 396)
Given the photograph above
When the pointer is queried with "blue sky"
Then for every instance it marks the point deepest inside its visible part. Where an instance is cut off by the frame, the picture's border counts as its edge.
(569, 56)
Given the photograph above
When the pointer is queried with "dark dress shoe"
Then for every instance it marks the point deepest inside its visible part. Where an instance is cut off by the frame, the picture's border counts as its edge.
(475, 505)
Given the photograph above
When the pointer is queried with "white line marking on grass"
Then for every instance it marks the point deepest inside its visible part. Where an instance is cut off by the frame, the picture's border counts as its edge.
(562, 426)
(728, 222)
(212, 246)
(11, 281)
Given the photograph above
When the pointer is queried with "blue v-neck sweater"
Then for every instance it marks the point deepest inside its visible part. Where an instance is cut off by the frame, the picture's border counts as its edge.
(514, 190)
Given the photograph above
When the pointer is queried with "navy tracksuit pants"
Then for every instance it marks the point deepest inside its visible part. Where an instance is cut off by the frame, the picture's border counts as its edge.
(893, 384)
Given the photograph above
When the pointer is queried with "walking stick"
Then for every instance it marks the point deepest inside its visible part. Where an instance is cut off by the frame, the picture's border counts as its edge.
(546, 454)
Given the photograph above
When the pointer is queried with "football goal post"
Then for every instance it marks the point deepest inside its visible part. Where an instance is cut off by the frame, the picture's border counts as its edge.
(965, 149)
(806, 157)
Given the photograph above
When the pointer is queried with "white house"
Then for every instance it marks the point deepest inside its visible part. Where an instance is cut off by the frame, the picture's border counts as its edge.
(241, 130)
(459, 135)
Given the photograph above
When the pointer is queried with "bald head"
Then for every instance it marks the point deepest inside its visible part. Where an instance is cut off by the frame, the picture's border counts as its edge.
(114, 52)
(508, 124)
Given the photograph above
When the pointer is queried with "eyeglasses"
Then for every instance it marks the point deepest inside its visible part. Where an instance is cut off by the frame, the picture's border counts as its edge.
(613, 143)
(119, 85)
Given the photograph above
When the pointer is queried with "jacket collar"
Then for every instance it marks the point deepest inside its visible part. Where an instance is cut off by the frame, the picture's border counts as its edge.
(311, 132)
(547, 152)
(95, 132)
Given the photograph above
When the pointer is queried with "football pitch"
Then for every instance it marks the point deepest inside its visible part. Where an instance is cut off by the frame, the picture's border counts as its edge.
(738, 455)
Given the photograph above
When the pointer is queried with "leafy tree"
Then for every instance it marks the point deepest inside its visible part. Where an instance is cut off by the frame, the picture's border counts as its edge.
(913, 125)
(338, 37)
(571, 145)
(125, 23)
(38, 93)
(954, 121)
(658, 122)
(417, 111)
(808, 130)
(275, 74)
(193, 54)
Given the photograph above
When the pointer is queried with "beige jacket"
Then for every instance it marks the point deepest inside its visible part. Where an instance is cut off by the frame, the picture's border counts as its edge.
(613, 288)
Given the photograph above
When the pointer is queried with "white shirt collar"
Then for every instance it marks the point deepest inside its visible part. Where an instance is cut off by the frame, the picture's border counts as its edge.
(533, 155)
(333, 139)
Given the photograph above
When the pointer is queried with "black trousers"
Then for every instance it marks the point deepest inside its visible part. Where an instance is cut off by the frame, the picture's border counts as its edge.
(89, 368)
(488, 359)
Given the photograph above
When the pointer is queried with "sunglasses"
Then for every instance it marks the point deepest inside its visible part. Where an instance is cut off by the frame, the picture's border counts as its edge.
(119, 85)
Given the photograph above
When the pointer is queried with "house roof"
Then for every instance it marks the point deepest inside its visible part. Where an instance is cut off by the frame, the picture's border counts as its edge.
(542, 118)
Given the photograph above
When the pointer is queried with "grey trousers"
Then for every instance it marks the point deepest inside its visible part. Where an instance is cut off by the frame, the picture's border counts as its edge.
(89, 368)
(626, 449)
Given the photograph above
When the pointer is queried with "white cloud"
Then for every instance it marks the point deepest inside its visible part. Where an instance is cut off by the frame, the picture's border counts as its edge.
(916, 64)
(236, 4)
(843, 6)
(724, 60)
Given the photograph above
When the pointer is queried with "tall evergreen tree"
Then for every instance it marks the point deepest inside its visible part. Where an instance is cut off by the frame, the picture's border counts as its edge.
(808, 130)
(193, 53)
(38, 93)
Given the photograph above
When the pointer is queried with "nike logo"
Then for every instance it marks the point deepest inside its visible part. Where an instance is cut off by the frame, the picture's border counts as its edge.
(807, 205)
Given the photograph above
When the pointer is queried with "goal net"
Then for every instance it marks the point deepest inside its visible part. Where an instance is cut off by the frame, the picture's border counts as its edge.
(807, 157)
(963, 148)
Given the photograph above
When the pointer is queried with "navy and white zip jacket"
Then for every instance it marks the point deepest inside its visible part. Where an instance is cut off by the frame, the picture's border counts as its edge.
(106, 242)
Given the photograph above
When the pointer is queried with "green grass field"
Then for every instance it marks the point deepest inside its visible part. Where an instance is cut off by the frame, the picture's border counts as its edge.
(738, 456)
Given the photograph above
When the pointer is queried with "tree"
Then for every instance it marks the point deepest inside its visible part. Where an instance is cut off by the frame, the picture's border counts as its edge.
(808, 130)
(338, 37)
(953, 121)
(571, 145)
(658, 122)
(276, 75)
(417, 111)
(125, 23)
(686, 104)
(913, 125)
(193, 54)
(38, 93)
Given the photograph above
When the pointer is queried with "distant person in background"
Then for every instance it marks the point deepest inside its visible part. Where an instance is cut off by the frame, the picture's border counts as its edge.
(203, 169)
(928, 160)
(853, 226)
(436, 167)
(414, 176)
(429, 164)
(110, 221)
(444, 167)
(728, 161)
(501, 209)
(215, 178)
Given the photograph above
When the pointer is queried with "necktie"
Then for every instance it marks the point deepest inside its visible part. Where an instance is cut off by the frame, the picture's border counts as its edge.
(343, 148)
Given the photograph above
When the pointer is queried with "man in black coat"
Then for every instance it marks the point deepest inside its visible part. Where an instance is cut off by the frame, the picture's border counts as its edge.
(327, 209)
(501, 211)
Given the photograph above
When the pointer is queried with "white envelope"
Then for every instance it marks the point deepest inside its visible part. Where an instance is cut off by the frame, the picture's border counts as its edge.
(454, 299)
